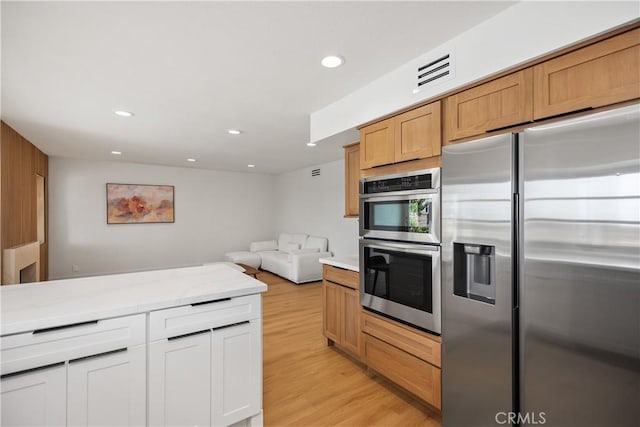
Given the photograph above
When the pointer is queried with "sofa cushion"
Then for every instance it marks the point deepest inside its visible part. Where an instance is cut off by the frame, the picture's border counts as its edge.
(316, 242)
(283, 240)
(267, 245)
(302, 251)
(292, 247)
(286, 238)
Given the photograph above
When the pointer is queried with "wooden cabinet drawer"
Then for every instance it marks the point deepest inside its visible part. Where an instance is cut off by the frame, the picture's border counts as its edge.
(500, 103)
(420, 344)
(600, 74)
(182, 320)
(404, 369)
(48, 346)
(341, 276)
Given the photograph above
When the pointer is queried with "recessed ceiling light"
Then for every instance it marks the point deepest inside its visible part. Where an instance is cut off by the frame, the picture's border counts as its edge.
(251, 166)
(116, 152)
(416, 90)
(123, 113)
(234, 131)
(332, 61)
(191, 160)
(311, 144)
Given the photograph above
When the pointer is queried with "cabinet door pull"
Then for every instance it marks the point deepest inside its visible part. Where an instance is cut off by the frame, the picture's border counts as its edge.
(229, 326)
(210, 302)
(57, 328)
(177, 337)
(93, 356)
(26, 371)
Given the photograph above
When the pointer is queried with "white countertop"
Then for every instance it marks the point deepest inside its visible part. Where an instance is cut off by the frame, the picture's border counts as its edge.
(28, 307)
(351, 262)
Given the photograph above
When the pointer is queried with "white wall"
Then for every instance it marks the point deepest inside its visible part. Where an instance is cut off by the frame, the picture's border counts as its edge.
(215, 212)
(315, 205)
(520, 33)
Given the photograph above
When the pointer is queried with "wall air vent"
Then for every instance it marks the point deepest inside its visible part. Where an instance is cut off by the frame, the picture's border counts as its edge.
(315, 172)
(435, 70)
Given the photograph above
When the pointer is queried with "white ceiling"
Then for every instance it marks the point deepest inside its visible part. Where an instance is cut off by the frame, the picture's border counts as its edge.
(191, 70)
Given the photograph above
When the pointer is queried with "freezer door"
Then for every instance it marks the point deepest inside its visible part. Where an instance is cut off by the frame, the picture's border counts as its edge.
(477, 281)
(580, 294)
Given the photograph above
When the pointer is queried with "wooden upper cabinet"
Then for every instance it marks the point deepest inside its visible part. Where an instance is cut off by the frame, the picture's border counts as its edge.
(600, 74)
(413, 135)
(418, 133)
(351, 180)
(376, 144)
(500, 103)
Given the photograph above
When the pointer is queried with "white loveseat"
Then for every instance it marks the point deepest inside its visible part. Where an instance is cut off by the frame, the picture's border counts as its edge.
(293, 256)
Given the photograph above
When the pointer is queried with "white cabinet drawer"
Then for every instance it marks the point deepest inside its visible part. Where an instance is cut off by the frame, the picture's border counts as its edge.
(47, 346)
(183, 320)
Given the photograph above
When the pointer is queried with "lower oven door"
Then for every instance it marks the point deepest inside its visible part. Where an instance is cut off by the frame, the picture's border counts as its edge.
(401, 280)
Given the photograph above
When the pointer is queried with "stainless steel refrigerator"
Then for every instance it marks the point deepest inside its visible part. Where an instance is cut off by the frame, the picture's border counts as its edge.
(541, 275)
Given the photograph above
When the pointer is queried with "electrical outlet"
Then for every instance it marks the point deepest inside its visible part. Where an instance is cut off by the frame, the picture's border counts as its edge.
(75, 268)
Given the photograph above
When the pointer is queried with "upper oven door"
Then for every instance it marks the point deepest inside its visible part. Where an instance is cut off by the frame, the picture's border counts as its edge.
(413, 217)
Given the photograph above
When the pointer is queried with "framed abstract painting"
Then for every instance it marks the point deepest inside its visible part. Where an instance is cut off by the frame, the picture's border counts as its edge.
(140, 204)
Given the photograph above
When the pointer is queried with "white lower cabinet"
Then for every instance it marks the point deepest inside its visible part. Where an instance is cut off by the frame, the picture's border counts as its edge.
(236, 360)
(35, 398)
(108, 389)
(200, 366)
(207, 378)
(180, 381)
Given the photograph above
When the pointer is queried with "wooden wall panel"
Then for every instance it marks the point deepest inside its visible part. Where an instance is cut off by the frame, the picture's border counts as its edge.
(20, 162)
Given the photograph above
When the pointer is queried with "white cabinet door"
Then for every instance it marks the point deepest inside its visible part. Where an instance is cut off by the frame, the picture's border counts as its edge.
(108, 389)
(180, 381)
(35, 398)
(236, 360)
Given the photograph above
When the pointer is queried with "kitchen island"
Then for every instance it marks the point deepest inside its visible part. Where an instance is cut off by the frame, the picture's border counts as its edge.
(167, 347)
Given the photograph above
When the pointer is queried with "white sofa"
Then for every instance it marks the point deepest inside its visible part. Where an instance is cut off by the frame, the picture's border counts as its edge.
(293, 256)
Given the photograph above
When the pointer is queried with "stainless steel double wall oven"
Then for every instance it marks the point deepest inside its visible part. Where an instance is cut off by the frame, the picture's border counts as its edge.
(400, 247)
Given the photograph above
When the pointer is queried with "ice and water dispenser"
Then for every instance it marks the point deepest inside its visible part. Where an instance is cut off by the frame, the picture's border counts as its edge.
(474, 269)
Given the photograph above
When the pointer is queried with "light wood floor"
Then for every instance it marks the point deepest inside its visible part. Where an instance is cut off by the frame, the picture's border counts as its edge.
(307, 383)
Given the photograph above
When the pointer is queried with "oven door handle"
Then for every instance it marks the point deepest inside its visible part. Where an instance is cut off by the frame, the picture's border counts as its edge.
(394, 194)
(402, 247)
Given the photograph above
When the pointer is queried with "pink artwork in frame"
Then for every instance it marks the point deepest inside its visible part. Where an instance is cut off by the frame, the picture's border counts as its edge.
(140, 204)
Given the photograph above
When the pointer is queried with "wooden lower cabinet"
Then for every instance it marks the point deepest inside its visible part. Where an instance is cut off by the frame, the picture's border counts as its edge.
(341, 309)
(404, 355)
(351, 320)
(406, 370)
(331, 296)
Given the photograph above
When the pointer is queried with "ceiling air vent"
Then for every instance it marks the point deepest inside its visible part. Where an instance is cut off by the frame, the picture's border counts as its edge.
(315, 172)
(435, 70)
